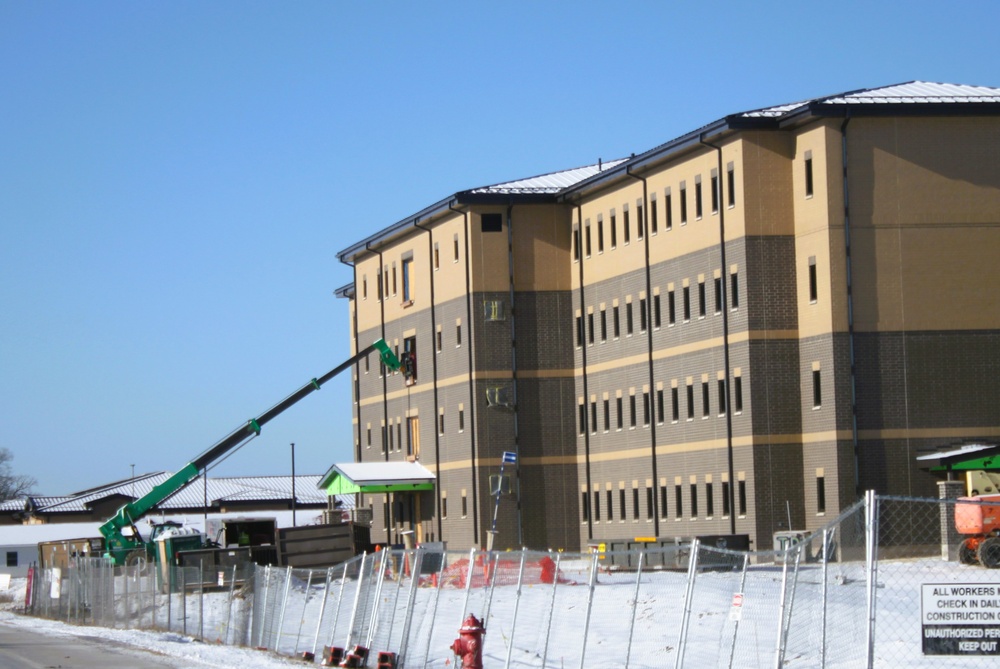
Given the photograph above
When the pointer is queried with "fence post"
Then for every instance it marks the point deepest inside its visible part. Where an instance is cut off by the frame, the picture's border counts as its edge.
(468, 587)
(184, 601)
(552, 606)
(201, 600)
(404, 637)
(379, 583)
(517, 604)
(824, 602)
(590, 603)
(787, 602)
(263, 606)
(635, 603)
(736, 623)
(284, 606)
(688, 594)
(302, 616)
(229, 608)
(322, 607)
(357, 598)
(437, 598)
(871, 564)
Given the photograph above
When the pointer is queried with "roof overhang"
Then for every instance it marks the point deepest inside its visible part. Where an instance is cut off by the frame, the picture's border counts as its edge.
(969, 457)
(371, 477)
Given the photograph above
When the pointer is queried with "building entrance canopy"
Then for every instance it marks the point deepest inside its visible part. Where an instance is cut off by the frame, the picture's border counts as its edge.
(370, 477)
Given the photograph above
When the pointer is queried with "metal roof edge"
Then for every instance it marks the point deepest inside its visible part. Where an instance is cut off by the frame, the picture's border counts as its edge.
(395, 230)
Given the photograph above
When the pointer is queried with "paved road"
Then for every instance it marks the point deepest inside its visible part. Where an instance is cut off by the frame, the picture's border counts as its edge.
(20, 649)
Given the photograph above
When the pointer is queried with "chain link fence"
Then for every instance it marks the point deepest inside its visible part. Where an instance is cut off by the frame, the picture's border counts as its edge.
(888, 583)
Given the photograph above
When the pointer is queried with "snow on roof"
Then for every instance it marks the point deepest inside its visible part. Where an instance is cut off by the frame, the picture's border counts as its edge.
(381, 473)
(550, 183)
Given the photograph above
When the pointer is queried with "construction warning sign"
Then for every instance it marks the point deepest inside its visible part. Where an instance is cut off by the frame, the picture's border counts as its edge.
(960, 618)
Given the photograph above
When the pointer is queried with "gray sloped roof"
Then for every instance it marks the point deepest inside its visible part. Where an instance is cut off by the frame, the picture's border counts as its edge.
(550, 183)
(909, 93)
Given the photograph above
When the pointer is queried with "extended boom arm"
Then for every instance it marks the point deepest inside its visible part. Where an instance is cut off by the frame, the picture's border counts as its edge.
(119, 545)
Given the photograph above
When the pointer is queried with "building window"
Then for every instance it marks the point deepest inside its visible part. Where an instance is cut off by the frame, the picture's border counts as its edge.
(437, 256)
(604, 326)
(668, 210)
(738, 394)
(461, 419)
(407, 265)
(645, 409)
(690, 399)
(620, 413)
(693, 489)
(678, 501)
(663, 502)
(369, 435)
(715, 196)
(653, 223)
(597, 506)
(390, 436)
(656, 311)
(593, 416)
(600, 235)
(465, 505)
(409, 360)
(697, 199)
(364, 287)
(491, 222)
(742, 492)
(631, 411)
(659, 406)
(621, 504)
(393, 278)
(671, 308)
(616, 321)
(704, 399)
(734, 290)
(628, 319)
(701, 300)
(687, 303)
(726, 510)
(611, 509)
(635, 504)
(650, 498)
(626, 230)
(576, 243)
(612, 223)
(813, 283)
(378, 285)
(455, 245)
(458, 335)
(718, 295)
(820, 494)
(441, 421)
(579, 331)
(809, 174)
(683, 203)
(583, 418)
(817, 390)
(722, 396)
(642, 315)
(590, 325)
(675, 401)
(607, 415)
(638, 222)
(444, 505)
(585, 505)
(586, 239)
(731, 185)
(413, 437)
(709, 500)
(438, 340)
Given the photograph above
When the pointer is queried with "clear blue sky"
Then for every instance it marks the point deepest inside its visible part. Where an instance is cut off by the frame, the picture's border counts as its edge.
(176, 179)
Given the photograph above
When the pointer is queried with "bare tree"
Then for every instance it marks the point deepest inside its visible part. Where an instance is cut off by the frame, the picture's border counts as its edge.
(13, 485)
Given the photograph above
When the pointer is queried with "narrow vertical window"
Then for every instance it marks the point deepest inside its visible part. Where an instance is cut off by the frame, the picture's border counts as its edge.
(628, 319)
(585, 505)
(600, 235)
(626, 229)
(465, 504)
(709, 499)
(668, 210)
(726, 508)
(597, 506)
(659, 405)
(621, 504)
(705, 410)
(593, 416)
(579, 331)
(393, 278)
(663, 502)
(438, 340)
(678, 501)
(656, 311)
(458, 335)
(582, 417)
(639, 223)
(437, 256)
(693, 489)
(611, 509)
(576, 243)
(653, 222)
(734, 290)
(697, 199)
(738, 394)
(731, 184)
(701, 300)
(455, 247)
(642, 315)
(715, 195)
(635, 504)
(650, 498)
(718, 295)
(461, 419)
(590, 326)
(722, 396)
(586, 239)
(690, 401)
(671, 307)
(607, 415)
(631, 411)
(820, 493)
(616, 321)
(604, 326)
(742, 493)
(619, 412)
(817, 390)
(378, 285)
(675, 401)
(645, 409)
(809, 174)
(364, 287)
(683, 203)
(407, 264)
(612, 223)
(687, 303)
(813, 283)
(369, 434)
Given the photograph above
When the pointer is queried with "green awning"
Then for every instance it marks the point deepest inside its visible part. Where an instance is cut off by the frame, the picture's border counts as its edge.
(372, 477)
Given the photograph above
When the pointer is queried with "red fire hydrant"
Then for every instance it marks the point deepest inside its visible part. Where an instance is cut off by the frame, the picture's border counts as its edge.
(469, 644)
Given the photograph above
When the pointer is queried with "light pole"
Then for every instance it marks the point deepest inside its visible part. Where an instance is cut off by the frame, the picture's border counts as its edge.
(293, 484)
